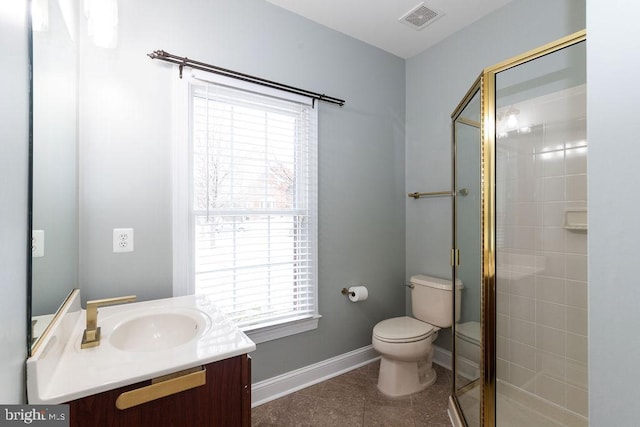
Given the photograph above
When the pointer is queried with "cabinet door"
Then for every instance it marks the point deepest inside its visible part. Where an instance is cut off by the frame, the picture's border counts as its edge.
(224, 400)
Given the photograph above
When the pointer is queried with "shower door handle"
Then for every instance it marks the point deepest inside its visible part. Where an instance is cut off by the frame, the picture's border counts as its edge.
(454, 257)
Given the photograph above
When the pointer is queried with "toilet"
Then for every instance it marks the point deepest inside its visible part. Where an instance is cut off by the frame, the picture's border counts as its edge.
(468, 343)
(405, 343)
(468, 349)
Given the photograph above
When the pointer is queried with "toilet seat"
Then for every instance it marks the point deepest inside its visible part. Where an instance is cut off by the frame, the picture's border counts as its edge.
(402, 330)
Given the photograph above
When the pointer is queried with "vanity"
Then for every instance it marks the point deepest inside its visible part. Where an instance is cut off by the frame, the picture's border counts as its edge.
(174, 361)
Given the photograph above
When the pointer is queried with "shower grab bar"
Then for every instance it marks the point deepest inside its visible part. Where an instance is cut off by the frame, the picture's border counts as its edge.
(417, 195)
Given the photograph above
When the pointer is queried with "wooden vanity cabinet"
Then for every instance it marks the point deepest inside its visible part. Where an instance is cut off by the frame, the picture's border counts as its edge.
(224, 400)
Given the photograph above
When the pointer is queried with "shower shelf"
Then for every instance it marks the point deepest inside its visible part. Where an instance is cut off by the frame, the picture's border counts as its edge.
(575, 219)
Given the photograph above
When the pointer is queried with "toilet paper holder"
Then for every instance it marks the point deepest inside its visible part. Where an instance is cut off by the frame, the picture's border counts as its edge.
(346, 292)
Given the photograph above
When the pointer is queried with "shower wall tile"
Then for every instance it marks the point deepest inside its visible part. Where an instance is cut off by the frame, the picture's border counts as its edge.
(576, 161)
(577, 267)
(550, 289)
(552, 163)
(522, 308)
(502, 325)
(542, 267)
(576, 243)
(553, 189)
(551, 365)
(551, 315)
(553, 214)
(551, 389)
(502, 346)
(527, 169)
(502, 303)
(577, 294)
(552, 265)
(522, 331)
(523, 285)
(553, 239)
(525, 238)
(577, 374)
(577, 347)
(576, 187)
(524, 354)
(502, 369)
(527, 190)
(522, 377)
(578, 400)
(551, 340)
(526, 214)
(522, 260)
(577, 321)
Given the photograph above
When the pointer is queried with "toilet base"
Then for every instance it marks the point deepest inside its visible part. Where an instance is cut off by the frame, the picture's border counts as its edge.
(398, 378)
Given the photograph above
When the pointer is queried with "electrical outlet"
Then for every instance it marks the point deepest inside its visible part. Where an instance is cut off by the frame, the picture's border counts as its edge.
(123, 240)
(37, 243)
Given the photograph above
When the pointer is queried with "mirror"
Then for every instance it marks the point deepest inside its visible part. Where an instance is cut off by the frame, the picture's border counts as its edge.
(54, 270)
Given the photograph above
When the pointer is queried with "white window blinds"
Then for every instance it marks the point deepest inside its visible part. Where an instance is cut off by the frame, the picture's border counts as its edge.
(254, 204)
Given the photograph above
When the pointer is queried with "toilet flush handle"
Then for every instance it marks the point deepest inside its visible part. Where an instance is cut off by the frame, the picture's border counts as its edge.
(410, 286)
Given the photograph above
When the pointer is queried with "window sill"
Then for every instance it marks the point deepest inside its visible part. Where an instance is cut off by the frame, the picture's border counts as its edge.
(273, 332)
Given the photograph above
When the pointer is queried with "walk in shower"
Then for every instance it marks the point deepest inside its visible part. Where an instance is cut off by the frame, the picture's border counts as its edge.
(520, 242)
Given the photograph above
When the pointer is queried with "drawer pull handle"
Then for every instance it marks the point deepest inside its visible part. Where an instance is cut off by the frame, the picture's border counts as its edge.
(160, 389)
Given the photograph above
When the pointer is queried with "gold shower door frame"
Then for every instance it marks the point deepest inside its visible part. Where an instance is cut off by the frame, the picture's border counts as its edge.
(486, 84)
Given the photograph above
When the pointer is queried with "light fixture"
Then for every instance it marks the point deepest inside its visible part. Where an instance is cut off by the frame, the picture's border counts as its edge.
(507, 121)
(512, 118)
(102, 16)
(40, 15)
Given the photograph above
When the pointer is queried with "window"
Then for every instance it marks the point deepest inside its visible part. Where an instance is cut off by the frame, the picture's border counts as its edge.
(251, 205)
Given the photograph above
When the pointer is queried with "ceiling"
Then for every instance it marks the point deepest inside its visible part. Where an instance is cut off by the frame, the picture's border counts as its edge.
(376, 22)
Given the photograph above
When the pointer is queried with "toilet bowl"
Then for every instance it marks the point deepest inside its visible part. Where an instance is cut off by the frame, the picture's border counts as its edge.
(405, 343)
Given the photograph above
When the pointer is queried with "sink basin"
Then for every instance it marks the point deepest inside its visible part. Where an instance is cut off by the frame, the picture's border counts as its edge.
(158, 331)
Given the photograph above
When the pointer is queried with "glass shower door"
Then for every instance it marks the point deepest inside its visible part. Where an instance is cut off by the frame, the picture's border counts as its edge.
(468, 256)
(541, 241)
(520, 242)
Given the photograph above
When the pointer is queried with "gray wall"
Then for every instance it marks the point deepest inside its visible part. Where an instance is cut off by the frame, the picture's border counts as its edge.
(14, 139)
(437, 79)
(613, 67)
(125, 158)
(469, 216)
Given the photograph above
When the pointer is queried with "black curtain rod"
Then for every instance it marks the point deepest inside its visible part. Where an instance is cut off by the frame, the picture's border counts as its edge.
(186, 62)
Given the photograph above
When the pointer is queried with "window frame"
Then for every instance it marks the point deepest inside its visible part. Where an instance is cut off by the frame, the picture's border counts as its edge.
(182, 197)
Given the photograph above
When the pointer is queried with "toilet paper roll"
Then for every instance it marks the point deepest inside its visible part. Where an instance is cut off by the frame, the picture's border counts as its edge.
(358, 293)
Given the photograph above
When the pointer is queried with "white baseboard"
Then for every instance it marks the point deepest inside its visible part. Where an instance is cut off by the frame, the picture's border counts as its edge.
(442, 357)
(282, 385)
(273, 388)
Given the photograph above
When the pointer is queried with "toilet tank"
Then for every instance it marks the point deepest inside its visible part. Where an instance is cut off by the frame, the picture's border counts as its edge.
(431, 300)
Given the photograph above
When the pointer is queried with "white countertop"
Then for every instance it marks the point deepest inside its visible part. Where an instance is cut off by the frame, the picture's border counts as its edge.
(60, 371)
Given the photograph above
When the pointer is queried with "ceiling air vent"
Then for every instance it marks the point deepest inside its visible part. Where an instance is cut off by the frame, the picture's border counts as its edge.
(420, 16)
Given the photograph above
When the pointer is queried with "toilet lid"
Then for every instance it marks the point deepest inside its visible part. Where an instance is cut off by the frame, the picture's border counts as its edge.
(402, 329)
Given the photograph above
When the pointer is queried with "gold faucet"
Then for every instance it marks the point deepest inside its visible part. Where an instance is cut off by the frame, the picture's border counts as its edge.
(91, 335)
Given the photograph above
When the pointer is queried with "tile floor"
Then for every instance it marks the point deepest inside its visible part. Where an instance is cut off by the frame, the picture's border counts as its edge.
(352, 399)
